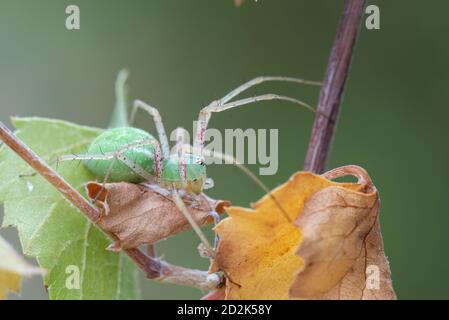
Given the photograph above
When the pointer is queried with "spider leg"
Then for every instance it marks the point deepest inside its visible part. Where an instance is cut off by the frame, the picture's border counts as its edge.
(181, 160)
(216, 217)
(185, 211)
(120, 155)
(230, 159)
(105, 180)
(216, 106)
(259, 80)
(138, 104)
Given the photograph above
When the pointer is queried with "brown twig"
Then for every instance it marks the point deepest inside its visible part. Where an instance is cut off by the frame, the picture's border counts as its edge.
(21, 149)
(152, 267)
(331, 93)
(151, 250)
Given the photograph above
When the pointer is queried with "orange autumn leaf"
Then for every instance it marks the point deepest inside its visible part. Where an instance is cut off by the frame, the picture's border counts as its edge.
(342, 245)
(258, 246)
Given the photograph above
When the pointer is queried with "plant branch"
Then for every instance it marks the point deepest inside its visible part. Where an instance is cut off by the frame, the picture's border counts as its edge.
(331, 94)
(152, 267)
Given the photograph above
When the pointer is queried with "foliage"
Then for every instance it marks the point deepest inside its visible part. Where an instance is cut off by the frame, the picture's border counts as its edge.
(325, 254)
(50, 228)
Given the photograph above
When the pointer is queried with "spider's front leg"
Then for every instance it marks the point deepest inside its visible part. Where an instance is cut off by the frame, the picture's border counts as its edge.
(154, 113)
(182, 169)
(225, 104)
(119, 155)
(196, 228)
(216, 218)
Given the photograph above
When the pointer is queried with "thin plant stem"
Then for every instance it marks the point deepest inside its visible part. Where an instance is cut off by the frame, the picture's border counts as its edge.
(331, 94)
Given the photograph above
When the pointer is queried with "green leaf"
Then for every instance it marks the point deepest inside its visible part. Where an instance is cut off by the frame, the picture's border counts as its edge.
(52, 229)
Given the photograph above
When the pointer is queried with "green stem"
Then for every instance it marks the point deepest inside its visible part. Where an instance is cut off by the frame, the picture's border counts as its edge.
(119, 116)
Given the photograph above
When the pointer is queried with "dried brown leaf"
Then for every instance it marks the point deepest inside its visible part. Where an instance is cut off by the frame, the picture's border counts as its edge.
(326, 254)
(257, 246)
(145, 214)
(342, 246)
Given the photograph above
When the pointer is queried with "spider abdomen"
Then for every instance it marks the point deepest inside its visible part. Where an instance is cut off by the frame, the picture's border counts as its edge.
(111, 141)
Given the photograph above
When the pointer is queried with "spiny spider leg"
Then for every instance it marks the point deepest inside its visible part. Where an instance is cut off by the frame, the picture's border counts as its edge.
(119, 155)
(181, 160)
(138, 169)
(105, 180)
(182, 207)
(35, 173)
(264, 97)
(138, 104)
(110, 156)
(249, 173)
(259, 80)
(180, 142)
(216, 217)
(206, 113)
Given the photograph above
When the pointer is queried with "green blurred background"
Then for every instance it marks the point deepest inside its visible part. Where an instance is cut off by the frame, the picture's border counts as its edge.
(183, 54)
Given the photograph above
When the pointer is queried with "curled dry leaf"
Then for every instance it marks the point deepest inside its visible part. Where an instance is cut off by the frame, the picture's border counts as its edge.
(145, 214)
(257, 246)
(322, 255)
(13, 268)
(342, 246)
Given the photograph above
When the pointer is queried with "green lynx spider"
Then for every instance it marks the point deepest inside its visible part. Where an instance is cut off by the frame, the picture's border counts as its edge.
(125, 153)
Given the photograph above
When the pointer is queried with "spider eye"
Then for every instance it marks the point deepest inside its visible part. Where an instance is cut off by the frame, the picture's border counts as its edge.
(200, 162)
